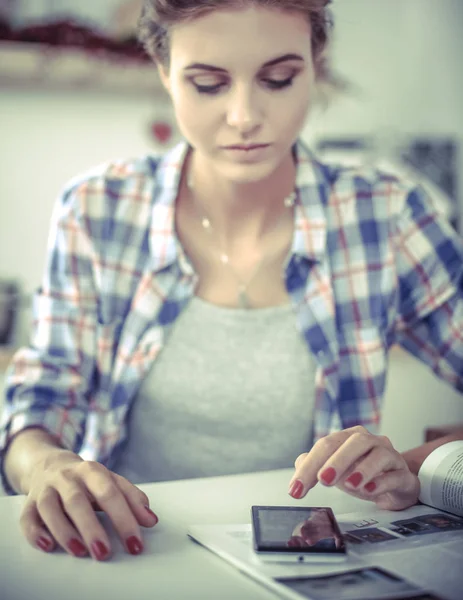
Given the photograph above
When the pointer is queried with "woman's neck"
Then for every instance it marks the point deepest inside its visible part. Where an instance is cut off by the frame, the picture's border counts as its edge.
(246, 210)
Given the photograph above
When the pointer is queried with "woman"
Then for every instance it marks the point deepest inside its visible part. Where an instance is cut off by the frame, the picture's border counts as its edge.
(229, 306)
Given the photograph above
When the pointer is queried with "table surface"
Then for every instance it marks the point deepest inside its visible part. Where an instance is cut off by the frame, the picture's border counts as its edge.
(172, 565)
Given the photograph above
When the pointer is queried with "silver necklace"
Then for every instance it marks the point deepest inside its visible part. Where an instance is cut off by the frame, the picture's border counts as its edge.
(242, 286)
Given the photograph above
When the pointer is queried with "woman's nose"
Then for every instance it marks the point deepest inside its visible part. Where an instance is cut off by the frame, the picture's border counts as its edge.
(243, 113)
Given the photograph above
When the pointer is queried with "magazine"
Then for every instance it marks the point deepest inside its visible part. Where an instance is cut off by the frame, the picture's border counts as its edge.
(415, 553)
(441, 478)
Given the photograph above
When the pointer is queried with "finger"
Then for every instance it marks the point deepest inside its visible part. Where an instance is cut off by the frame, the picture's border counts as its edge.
(342, 462)
(78, 508)
(394, 490)
(138, 502)
(302, 456)
(379, 460)
(34, 529)
(305, 476)
(300, 459)
(51, 512)
(105, 491)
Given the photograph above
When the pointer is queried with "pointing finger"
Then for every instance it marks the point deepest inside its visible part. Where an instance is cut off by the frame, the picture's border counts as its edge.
(305, 476)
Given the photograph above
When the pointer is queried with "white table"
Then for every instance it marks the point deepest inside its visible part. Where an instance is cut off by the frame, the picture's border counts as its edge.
(172, 566)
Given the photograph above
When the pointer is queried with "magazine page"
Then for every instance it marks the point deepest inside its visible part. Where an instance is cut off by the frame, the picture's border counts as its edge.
(421, 544)
(413, 553)
(436, 568)
(441, 478)
(368, 583)
(350, 580)
(234, 543)
(384, 531)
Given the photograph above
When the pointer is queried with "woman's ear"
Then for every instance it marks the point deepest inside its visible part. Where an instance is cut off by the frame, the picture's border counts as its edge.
(164, 77)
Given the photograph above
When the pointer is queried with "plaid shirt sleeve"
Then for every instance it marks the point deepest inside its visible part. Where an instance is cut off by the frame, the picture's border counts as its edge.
(47, 383)
(429, 258)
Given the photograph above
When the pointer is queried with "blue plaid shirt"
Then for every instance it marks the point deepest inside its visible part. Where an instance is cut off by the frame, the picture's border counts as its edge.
(372, 264)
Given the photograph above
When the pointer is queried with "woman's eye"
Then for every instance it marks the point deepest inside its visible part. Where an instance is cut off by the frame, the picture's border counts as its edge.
(278, 84)
(208, 89)
(273, 84)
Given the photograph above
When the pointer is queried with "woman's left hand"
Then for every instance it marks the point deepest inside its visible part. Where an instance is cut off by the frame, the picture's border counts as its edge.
(362, 464)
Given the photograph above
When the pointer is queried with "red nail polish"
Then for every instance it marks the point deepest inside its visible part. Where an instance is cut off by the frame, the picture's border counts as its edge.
(77, 548)
(151, 513)
(328, 475)
(100, 550)
(355, 479)
(370, 486)
(44, 544)
(134, 545)
(296, 489)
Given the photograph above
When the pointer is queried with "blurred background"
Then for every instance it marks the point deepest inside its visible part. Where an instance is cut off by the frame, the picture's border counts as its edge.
(76, 90)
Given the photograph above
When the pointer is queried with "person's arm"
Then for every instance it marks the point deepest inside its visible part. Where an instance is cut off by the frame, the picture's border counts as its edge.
(429, 260)
(48, 391)
(49, 382)
(415, 457)
(429, 271)
(31, 449)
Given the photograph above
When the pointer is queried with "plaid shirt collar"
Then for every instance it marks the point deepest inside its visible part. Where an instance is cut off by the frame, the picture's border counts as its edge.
(310, 231)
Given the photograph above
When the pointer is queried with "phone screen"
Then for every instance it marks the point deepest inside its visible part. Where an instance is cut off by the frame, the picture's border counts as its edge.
(296, 529)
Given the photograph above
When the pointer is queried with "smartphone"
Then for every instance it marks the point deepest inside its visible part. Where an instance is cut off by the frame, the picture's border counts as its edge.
(297, 534)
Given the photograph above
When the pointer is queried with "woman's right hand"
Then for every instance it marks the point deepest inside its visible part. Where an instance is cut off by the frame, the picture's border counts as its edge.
(64, 493)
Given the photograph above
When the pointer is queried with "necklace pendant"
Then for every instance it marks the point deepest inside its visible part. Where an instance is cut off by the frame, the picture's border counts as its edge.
(290, 200)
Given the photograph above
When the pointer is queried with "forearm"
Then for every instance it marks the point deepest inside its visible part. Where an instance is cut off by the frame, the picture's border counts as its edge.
(415, 457)
(30, 449)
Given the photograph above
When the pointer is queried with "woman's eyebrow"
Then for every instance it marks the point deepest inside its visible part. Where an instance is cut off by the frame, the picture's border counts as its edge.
(270, 63)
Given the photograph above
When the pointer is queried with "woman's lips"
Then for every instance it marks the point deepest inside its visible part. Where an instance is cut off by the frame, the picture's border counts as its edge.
(247, 153)
(245, 148)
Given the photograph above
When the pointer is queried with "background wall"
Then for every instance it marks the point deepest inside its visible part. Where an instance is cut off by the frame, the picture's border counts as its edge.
(403, 57)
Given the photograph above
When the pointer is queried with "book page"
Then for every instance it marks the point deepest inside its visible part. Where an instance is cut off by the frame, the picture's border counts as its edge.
(441, 478)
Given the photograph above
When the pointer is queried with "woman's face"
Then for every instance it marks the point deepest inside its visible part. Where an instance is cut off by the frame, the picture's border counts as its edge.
(242, 77)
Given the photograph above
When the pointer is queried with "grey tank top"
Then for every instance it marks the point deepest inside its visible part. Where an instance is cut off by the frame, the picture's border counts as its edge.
(232, 391)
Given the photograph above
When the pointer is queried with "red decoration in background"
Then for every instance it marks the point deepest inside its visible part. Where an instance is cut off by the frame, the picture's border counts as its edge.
(162, 131)
(71, 33)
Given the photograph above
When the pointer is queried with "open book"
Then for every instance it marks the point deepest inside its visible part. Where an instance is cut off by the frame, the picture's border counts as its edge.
(415, 553)
(441, 478)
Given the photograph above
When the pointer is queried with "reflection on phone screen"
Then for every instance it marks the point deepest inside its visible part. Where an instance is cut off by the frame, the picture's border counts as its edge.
(306, 529)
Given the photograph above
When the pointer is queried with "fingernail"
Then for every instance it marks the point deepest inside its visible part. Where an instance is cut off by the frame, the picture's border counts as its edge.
(328, 475)
(99, 549)
(44, 544)
(296, 489)
(151, 513)
(355, 479)
(77, 548)
(134, 545)
(371, 486)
